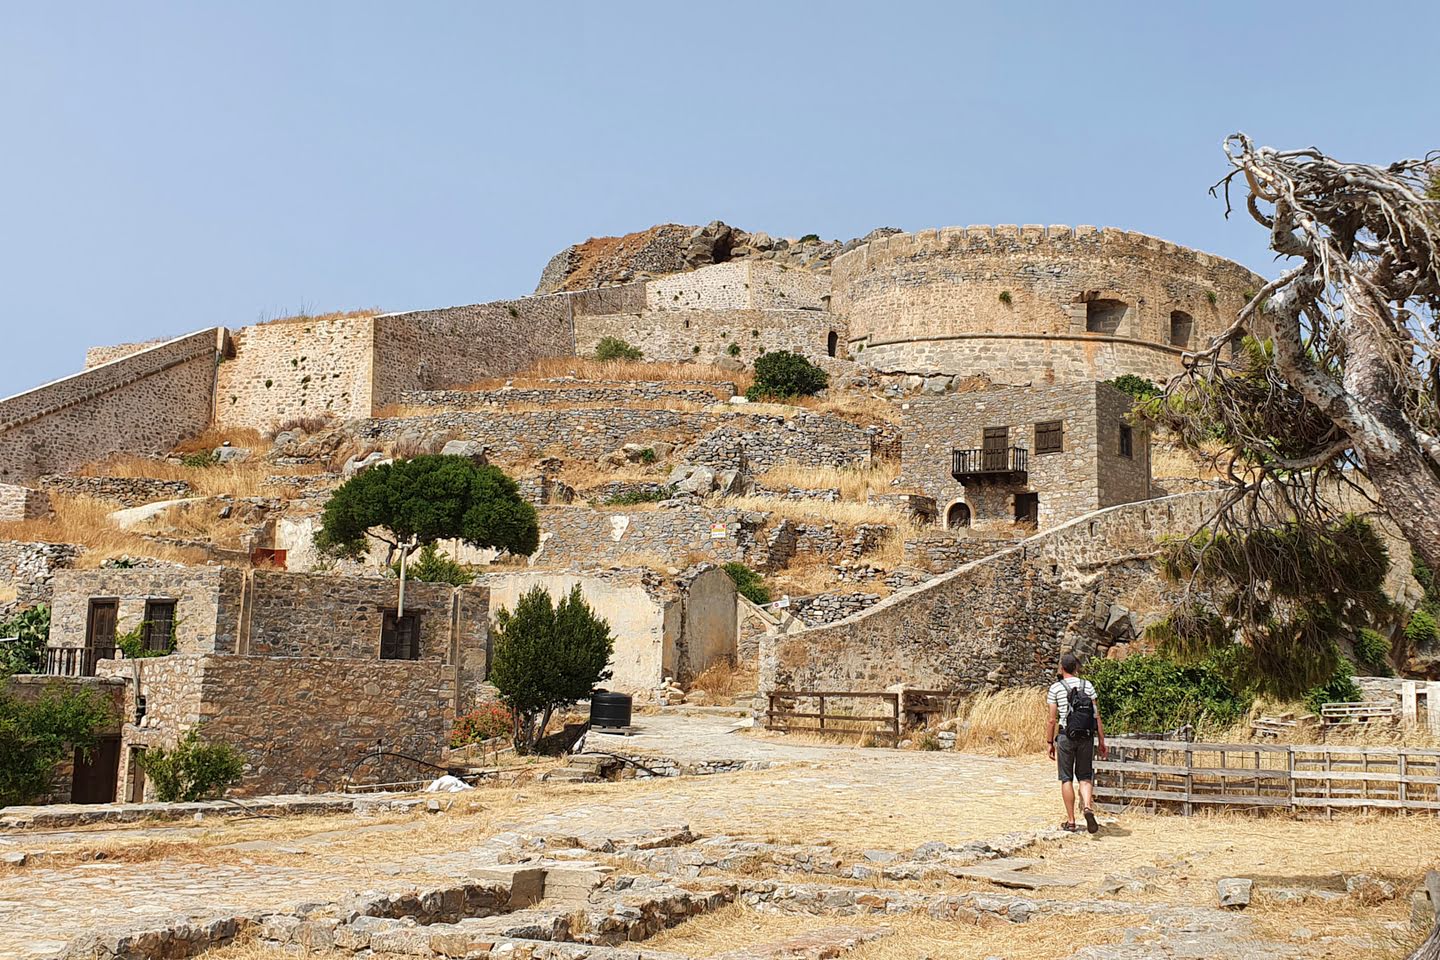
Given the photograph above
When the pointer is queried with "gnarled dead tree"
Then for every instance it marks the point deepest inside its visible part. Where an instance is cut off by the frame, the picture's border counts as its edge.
(1325, 390)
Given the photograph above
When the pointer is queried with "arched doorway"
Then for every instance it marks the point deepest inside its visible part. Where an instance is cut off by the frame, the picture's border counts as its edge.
(957, 516)
(832, 343)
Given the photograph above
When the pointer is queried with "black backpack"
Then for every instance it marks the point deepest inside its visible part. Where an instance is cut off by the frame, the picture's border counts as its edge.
(1080, 720)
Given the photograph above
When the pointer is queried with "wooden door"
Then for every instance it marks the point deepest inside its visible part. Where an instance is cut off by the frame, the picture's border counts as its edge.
(100, 629)
(94, 780)
(136, 793)
(997, 439)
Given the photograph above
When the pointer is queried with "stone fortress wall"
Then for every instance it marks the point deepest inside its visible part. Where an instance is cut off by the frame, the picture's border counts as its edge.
(1033, 304)
(143, 403)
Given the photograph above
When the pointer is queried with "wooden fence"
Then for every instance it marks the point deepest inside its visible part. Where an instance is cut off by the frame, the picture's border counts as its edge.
(1184, 777)
(844, 714)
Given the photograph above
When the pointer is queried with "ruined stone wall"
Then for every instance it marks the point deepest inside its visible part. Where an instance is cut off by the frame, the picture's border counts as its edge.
(294, 368)
(584, 537)
(434, 349)
(207, 610)
(22, 503)
(312, 615)
(28, 569)
(739, 285)
(675, 335)
(144, 403)
(125, 491)
(1011, 301)
(1121, 478)
(763, 440)
(578, 392)
(1002, 620)
(707, 633)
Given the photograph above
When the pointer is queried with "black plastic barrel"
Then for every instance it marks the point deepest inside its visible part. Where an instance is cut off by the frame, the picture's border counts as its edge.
(610, 710)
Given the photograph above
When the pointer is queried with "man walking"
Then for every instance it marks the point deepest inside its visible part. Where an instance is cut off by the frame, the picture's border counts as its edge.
(1074, 724)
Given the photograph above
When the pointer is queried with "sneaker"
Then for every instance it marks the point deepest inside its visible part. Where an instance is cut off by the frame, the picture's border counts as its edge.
(1091, 824)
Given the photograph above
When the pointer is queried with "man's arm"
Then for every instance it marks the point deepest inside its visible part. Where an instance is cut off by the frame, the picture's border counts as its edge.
(1099, 727)
(1050, 726)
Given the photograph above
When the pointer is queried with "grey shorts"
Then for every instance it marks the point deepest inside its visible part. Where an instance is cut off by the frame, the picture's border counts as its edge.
(1076, 758)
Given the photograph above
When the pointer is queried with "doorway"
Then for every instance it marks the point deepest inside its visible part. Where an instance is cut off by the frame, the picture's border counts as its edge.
(94, 778)
(1027, 508)
(135, 793)
(958, 516)
(99, 634)
(992, 454)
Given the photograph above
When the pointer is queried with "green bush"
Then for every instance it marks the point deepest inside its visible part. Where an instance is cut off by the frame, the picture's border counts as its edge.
(26, 653)
(547, 656)
(1422, 630)
(1372, 651)
(648, 455)
(810, 238)
(748, 583)
(613, 348)
(626, 498)
(193, 770)
(1153, 693)
(432, 566)
(783, 374)
(1340, 688)
(37, 735)
(132, 644)
(733, 349)
(199, 459)
(1138, 388)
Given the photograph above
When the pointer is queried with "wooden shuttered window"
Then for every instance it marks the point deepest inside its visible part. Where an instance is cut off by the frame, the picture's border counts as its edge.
(400, 636)
(1050, 436)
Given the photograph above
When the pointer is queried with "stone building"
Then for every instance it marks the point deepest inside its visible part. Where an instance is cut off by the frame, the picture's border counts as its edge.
(1036, 456)
(318, 681)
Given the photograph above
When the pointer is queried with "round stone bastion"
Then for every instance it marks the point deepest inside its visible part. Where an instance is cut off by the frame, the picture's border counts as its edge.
(1033, 304)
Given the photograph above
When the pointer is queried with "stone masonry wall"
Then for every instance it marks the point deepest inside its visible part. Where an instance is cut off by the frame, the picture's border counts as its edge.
(125, 491)
(586, 538)
(206, 613)
(675, 335)
(580, 392)
(1002, 620)
(22, 503)
(1011, 301)
(29, 569)
(143, 403)
(434, 349)
(293, 368)
(739, 285)
(95, 356)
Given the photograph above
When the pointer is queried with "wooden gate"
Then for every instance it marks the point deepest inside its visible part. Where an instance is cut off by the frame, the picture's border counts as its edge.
(94, 778)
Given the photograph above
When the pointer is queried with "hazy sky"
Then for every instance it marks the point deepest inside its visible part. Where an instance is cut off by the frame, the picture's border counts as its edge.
(171, 166)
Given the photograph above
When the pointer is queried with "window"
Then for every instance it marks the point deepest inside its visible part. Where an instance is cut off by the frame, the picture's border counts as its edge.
(158, 630)
(832, 343)
(1050, 436)
(957, 517)
(1181, 326)
(993, 446)
(1104, 316)
(1027, 508)
(1127, 441)
(400, 636)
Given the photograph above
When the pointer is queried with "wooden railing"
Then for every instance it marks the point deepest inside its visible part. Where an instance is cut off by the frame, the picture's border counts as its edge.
(75, 661)
(783, 713)
(1184, 777)
(980, 462)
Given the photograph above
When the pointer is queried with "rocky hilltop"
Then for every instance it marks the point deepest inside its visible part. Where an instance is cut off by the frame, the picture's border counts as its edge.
(670, 248)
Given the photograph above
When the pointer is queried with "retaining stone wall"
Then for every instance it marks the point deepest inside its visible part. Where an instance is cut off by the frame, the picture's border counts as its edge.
(144, 403)
(1003, 619)
(639, 392)
(585, 537)
(125, 491)
(29, 568)
(910, 296)
(22, 503)
(295, 368)
(674, 335)
(739, 285)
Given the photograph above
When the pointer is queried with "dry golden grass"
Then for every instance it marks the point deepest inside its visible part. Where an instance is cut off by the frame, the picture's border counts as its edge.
(855, 484)
(1310, 731)
(724, 680)
(818, 511)
(201, 521)
(1006, 723)
(213, 437)
(86, 522)
(306, 317)
(243, 479)
(586, 368)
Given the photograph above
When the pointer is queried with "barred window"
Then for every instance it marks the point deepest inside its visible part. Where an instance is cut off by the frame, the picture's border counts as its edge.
(1050, 436)
(400, 636)
(1127, 441)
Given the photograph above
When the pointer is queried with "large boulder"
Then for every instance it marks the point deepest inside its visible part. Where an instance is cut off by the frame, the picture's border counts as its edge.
(472, 449)
(357, 463)
(698, 480)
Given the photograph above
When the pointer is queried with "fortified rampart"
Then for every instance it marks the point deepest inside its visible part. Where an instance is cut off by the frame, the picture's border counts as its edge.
(143, 403)
(1001, 619)
(1032, 303)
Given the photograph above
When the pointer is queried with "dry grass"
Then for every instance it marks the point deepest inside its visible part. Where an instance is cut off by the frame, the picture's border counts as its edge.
(724, 680)
(201, 521)
(818, 511)
(213, 437)
(1007, 723)
(586, 368)
(1311, 732)
(305, 316)
(1167, 460)
(855, 484)
(243, 479)
(410, 411)
(86, 522)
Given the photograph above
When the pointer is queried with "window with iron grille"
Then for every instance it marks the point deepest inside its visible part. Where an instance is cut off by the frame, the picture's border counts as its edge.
(1050, 437)
(158, 630)
(400, 636)
(1127, 441)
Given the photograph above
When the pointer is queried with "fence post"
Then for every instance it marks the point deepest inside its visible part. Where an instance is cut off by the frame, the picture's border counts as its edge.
(1189, 778)
(822, 712)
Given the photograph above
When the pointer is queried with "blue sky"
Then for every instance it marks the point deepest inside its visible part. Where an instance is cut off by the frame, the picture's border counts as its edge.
(170, 166)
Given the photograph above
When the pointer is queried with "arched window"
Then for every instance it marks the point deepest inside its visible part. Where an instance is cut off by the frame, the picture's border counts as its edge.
(1182, 325)
(958, 516)
(832, 343)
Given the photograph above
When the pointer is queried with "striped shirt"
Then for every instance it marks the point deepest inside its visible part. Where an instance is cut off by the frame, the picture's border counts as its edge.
(1060, 696)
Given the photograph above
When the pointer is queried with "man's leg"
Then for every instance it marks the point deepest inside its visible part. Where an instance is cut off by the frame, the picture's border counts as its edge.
(1065, 760)
(1085, 778)
(1067, 792)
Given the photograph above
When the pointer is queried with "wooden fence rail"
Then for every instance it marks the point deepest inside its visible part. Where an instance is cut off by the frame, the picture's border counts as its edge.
(784, 710)
(1188, 776)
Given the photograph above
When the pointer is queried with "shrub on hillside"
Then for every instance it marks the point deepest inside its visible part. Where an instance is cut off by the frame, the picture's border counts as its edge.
(26, 652)
(1372, 651)
(1422, 630)
(547, 656)
(193, 770)
(1153, 693)
(783, 375)
(37, 735)
(613, 348)
(748, 583)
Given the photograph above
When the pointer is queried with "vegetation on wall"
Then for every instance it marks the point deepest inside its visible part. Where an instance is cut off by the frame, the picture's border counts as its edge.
(1137, 387)
(37, 735)
(194, 770)
(425, 499)
(748, 583)
(31, 632)
(432, 566)
(546, 657)
(783, 375)
(613, 348)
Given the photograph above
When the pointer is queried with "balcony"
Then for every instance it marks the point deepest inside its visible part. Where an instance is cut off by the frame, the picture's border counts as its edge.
(75, 661)
(1000, 464)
